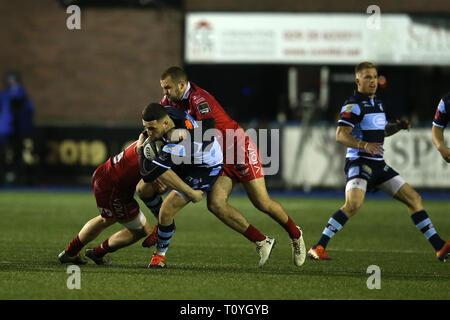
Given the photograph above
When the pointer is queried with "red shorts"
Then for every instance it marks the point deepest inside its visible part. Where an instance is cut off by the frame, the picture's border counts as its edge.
(112, 200)
(247, 164)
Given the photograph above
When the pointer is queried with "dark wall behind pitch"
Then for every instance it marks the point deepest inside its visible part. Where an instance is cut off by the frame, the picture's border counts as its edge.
(108, 70)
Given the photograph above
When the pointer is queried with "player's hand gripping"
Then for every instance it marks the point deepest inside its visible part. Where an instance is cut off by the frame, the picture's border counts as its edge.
(141, 140)
(404, 124)
(374, 148)
(196, 196)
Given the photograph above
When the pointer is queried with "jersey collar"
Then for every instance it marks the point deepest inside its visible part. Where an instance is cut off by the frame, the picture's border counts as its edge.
(187, 92)
(363, 96)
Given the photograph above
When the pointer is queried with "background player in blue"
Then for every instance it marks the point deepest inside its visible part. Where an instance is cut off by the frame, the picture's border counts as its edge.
(187, 165)
(362, 128)
(441, 119)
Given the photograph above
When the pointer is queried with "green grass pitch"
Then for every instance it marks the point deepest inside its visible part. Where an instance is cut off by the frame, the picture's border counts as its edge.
(208, 261)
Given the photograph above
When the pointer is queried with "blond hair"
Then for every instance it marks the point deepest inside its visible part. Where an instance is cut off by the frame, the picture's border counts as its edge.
(364, 65)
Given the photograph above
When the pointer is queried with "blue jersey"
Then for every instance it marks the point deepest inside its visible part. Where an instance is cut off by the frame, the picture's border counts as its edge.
(442, 116)
(368, 119)
(191, 152)
(197, 162)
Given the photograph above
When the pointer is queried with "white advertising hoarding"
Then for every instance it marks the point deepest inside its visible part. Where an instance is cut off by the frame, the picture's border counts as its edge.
(321, 162)
(284, 38)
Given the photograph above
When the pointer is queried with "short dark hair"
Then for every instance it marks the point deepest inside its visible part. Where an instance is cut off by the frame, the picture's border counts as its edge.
(365, 65)
(176, 73)
(154, 111)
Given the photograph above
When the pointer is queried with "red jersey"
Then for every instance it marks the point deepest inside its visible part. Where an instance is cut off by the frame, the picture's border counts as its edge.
(200, 104)
(124, 168)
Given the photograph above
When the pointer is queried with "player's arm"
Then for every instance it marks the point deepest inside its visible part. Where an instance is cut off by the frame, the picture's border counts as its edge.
(393, 128)
(343, 135)
(141, 141)
(172, 180)
(437, 135)
(160, 168)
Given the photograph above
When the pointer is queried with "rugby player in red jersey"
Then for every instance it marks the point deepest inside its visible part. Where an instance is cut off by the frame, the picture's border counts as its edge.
(114, 183)
(186, 95)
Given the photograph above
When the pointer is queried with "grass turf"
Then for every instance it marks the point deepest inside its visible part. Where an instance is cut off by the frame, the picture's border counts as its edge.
(208, 261)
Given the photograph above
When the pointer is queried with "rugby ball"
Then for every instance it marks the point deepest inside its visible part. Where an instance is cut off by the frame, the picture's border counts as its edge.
(151, 149)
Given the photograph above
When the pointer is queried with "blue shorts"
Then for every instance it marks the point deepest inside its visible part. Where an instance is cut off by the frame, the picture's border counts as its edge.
(375, 172)
(198, 178)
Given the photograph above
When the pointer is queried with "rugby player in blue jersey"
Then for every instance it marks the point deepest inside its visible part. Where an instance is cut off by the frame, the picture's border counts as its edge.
(187, 164)
(362, 128)
(441, 119)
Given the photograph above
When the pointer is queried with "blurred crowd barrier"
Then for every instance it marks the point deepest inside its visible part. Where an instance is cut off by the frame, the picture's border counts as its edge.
(294, 156)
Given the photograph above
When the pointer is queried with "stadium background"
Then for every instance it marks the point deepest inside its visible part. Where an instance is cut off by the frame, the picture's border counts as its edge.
(90, 85)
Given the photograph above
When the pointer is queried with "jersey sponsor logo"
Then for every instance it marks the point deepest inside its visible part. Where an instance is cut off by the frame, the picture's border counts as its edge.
(188, 124)
(118, 157)
(349, 107)
(379, 121)
(252, 155)
(198, 100)
(118, 208)
(367, 169)
(204, 108)
(105, 212)
(436, 115)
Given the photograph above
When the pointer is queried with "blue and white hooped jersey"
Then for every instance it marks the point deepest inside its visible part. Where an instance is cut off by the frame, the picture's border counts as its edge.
(442, 116)
(189, 151)
(368, 119)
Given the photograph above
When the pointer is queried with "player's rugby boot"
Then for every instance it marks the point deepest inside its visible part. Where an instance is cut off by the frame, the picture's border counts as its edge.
(158, 261)
(64, 257)
(105, 260)
(152, 239)
(318, 253)
(298, 249)
(444, 253)
(264, 248)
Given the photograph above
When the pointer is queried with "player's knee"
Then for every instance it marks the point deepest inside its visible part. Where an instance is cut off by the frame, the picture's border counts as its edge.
(215, 205)
(264, 205)
(144, 190)
(351, 207)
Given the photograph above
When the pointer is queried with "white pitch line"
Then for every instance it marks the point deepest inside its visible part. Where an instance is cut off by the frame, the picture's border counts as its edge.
(375, 250)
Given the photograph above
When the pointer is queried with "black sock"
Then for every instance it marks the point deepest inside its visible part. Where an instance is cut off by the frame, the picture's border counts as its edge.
(423, 223)
(165, 233)
(335, 224)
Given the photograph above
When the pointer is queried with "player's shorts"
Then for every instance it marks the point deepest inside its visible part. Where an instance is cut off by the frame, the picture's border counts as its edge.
(112, 201)
(198, 178)
(376, 172)
(246, 165)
